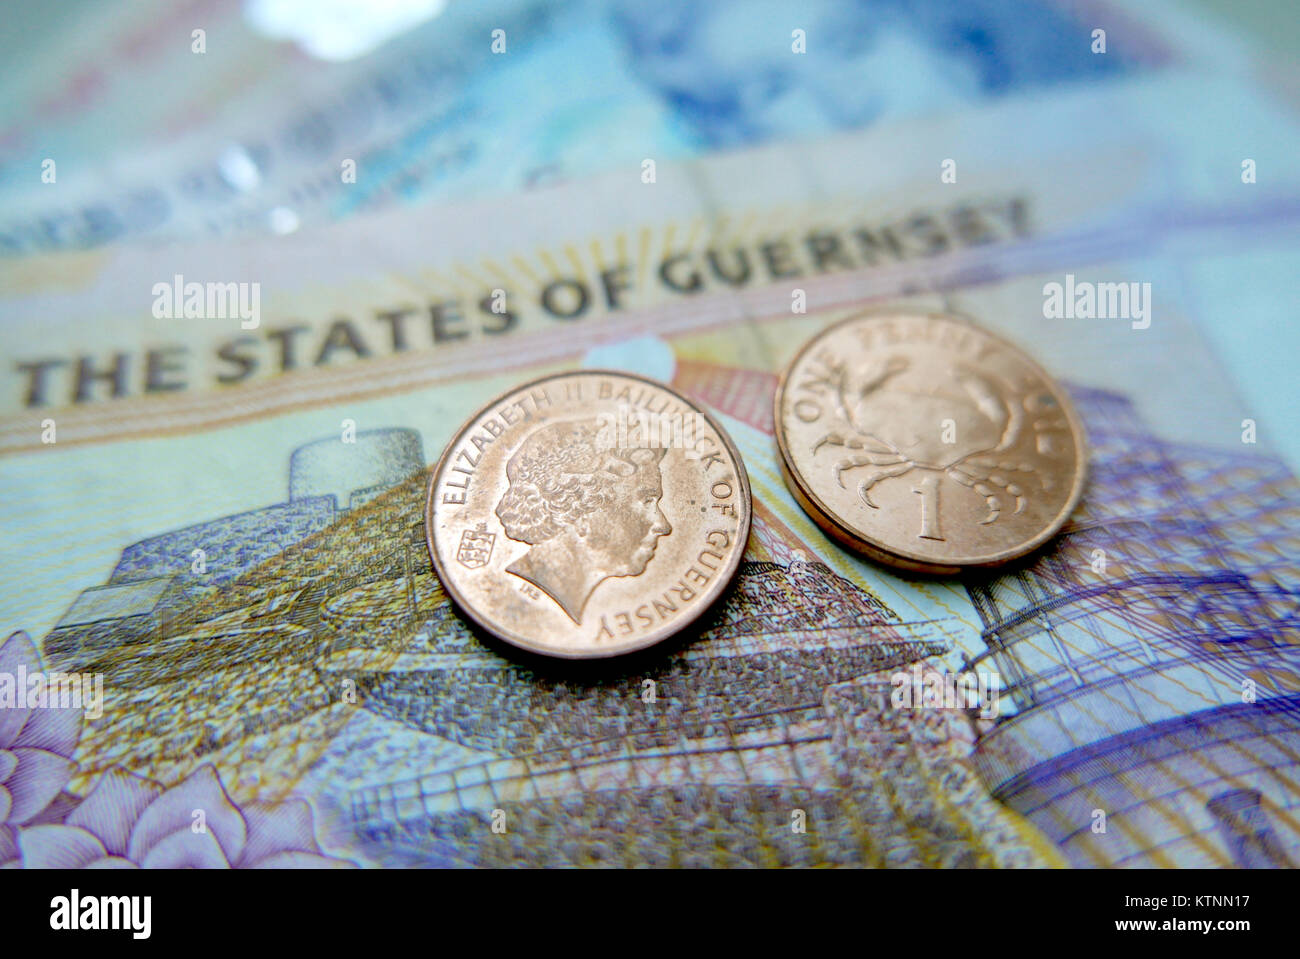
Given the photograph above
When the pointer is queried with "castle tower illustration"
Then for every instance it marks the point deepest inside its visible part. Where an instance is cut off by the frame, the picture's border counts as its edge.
(1152, 659)
(159, 575)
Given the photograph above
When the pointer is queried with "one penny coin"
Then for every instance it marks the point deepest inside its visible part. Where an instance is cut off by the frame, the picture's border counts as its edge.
(927, 443)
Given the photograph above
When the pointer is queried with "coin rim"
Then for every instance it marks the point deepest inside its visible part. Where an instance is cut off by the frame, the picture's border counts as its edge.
(655, 637)
(874, 548)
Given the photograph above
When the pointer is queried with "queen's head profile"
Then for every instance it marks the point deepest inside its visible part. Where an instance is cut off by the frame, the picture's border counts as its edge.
(588, 509)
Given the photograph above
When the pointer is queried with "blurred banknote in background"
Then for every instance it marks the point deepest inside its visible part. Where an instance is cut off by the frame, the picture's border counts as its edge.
(156, 140)
(229, 364)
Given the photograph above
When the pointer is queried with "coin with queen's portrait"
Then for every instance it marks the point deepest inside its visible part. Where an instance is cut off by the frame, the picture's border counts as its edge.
(574, 516)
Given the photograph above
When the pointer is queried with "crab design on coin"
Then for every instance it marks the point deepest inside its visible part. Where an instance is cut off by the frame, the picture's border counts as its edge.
(978, 422)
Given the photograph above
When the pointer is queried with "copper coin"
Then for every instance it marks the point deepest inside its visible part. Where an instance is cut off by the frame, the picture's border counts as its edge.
(928, 443)
(588, 514)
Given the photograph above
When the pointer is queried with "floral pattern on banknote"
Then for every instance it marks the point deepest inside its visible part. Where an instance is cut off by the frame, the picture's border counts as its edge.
(127, 820)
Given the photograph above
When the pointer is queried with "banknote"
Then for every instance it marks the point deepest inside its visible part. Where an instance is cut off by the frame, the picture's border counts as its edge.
(157, 135)
(214, 462)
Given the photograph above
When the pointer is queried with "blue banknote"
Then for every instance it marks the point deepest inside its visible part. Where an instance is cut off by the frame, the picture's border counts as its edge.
(489, 97)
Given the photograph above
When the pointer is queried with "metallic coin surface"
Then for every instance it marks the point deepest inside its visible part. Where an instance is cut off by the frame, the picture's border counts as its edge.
(588, 514)
(928, 443)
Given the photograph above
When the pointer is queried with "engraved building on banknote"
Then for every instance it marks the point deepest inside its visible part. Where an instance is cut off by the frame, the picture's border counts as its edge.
(739, 673)
(1153, 659)
(734, 732)
(157, 578)
(1149, 660)
(1126, 650)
